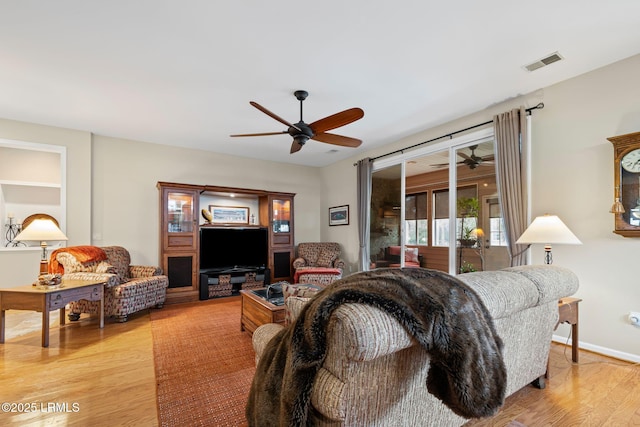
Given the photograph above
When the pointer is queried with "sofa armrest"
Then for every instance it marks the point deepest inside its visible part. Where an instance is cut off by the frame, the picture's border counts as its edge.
(137, 271)
(262, 335)
(339, 263)
(299, 262)
(362, 332)
(110, 279)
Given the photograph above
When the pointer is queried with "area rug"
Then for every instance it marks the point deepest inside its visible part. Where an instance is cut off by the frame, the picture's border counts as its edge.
(204, 364)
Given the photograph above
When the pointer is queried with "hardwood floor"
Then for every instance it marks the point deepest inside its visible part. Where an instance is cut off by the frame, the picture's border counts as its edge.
(106, 378)
(98, 377)
(598, 391)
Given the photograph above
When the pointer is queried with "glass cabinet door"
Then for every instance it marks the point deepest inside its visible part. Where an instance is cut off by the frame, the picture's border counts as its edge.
(281, 210)
(180, 212)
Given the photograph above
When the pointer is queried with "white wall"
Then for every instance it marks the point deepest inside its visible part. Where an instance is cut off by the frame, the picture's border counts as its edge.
(572, 168)
(126, 200)
(21, 267)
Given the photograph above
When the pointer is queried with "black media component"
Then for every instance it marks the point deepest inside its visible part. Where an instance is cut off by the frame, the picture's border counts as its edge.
(179, 271)
(231, 259)
(227, 283)
(232, 248)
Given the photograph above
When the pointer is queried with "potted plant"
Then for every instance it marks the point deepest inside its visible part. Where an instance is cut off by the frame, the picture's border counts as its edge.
(468, 207)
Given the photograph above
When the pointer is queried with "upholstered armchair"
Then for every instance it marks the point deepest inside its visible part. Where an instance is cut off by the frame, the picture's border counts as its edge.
(128, 288)
(392, 257)
(318, 263)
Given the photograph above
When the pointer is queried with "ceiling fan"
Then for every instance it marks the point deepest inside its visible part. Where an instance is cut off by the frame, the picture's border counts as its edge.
(472, 161)
(302, 132)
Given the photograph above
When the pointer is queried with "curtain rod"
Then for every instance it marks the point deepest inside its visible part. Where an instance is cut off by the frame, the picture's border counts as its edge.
(449, 135)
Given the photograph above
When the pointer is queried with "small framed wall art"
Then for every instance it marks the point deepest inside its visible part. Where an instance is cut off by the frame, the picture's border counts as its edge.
(229, 214)
(339, 215)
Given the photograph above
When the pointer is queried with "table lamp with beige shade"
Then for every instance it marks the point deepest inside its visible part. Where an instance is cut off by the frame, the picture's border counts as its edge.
(547, 230)
(42, 230)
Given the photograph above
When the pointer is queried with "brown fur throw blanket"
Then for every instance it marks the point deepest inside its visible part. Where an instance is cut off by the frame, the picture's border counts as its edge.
(444, 316)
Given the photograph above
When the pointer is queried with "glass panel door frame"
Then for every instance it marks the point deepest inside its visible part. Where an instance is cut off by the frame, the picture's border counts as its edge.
(450, 146)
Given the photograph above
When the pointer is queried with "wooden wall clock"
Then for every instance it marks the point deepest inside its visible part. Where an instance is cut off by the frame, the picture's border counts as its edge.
(626, 161)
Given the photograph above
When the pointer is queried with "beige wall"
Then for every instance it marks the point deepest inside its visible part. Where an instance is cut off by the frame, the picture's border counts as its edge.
(126, 200)
(572, 176)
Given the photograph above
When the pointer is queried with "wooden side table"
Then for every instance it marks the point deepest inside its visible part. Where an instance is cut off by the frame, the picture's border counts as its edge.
(44, 300)
(568, 310)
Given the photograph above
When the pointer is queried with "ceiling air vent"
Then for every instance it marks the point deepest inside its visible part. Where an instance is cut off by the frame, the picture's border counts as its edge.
(549, 59)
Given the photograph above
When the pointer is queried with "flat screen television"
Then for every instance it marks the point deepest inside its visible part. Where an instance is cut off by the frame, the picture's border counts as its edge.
(233, 247)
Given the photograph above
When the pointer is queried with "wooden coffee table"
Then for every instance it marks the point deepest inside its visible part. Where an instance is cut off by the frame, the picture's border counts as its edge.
(45, 300)
(257, 311)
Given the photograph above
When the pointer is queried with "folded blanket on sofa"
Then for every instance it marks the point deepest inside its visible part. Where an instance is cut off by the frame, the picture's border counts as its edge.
(83, 254)
(444, 315)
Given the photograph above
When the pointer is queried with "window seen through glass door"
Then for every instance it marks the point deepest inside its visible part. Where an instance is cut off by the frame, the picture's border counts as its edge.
(416, 220)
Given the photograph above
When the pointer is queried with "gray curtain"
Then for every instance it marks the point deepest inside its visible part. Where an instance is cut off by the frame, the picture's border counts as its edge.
(511, 176)
(364, 201)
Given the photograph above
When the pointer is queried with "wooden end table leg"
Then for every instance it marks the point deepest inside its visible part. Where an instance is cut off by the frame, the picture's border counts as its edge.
(1, 326)
(102, 310)
(45, 328)
(574, 342)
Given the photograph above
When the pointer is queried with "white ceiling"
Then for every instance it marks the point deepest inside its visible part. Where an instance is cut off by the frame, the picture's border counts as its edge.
(182, 72)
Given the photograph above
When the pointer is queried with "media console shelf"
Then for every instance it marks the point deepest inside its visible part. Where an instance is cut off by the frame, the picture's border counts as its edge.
(181, 222)
(226, 283)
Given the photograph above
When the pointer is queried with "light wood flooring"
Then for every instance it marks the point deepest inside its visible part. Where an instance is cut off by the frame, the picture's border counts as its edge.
(106, 378)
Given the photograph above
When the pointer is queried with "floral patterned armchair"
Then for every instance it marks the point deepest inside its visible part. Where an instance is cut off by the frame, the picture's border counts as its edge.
(128, 288)
(318, 263)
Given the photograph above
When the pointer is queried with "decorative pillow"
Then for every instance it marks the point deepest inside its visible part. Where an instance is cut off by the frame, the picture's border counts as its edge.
(326, 258)
(105, 267)
(299, 290)
(394, 250)
(411, 255)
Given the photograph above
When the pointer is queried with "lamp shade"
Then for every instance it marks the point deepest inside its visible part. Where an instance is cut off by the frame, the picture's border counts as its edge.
(548, 229)
(41, 230)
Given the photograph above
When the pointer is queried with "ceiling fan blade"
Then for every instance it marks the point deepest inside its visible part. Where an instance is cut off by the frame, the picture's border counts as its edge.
(261, 134)
(464, 156)
(273, 115)
(336, 120)
(489, 158)
(331, 138)
(295, 147)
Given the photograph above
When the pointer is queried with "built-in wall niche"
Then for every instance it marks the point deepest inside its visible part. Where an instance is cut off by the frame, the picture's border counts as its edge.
(32, 181)
(231, 200)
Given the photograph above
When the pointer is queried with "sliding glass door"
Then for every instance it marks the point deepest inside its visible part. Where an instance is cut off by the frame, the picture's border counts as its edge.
(438, 208)
(385, 215)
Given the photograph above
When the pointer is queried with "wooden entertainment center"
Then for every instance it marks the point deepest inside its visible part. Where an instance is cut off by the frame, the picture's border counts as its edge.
(180, 223)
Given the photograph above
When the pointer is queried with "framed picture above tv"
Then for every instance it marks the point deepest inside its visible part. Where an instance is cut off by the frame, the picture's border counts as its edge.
(339, 215)
(229, 214)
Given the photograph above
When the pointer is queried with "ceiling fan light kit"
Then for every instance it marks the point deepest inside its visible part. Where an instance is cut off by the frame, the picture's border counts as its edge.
(472, 161)
(301, 132)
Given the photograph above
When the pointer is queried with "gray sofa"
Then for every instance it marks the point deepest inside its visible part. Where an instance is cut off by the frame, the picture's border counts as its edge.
(375, 374)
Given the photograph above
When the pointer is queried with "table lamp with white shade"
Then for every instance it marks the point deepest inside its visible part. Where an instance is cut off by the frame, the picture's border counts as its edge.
(547, 230)
(42, 230)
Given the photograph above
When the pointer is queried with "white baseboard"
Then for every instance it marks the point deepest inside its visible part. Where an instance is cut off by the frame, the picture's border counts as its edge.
(599, 349)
